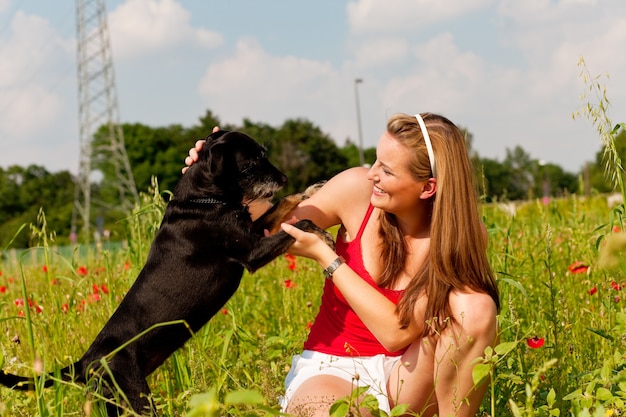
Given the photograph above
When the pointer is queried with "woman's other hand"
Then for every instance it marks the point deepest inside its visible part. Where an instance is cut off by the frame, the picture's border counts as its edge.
(193, 152)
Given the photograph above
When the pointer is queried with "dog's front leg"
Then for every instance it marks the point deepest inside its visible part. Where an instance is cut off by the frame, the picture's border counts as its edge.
(270, 247)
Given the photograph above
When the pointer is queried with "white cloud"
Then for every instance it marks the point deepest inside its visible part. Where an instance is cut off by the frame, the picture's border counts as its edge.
(381, 51)
(4, 5)
(141, 27)
(265, 87)
(372, 16)
(31, 110)
(32, 51)
(32, 58)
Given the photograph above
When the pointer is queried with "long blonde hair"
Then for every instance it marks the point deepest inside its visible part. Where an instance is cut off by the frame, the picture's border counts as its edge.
(457, 257)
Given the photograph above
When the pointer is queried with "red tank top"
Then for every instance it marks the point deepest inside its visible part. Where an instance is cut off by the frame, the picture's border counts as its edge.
(337, 329)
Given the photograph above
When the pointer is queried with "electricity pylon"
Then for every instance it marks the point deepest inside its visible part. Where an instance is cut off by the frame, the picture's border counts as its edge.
(97, 107)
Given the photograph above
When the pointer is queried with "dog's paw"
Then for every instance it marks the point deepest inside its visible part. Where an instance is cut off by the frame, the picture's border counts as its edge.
(309, 226)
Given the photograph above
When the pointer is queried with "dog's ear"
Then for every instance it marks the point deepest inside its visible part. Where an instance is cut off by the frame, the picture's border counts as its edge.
(213, 151)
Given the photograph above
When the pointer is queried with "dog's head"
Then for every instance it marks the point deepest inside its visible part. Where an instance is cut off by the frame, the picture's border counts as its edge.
(232, 167)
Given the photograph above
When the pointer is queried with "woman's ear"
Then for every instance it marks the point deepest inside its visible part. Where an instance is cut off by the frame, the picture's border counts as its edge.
(429, 189)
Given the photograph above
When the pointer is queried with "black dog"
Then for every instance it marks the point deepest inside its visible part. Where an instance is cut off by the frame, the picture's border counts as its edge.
(195, 265)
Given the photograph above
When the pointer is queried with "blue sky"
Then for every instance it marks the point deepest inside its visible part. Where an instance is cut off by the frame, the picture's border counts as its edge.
(505, 69)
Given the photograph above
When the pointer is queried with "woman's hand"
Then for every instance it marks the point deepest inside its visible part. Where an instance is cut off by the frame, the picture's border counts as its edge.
(309, 245)
(193, 152)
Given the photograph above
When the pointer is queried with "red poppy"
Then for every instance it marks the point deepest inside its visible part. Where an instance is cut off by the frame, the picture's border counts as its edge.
(578, 268)
(224, 311)
(593, 290)
(289, 283)
(535, 342)
(616, 286)
(617, 229)
(81, 270)
(617, 298)
(45, 268)
(104, 288)
(65, 307)
(3, 289)
(19, 302)
(291, 262)
(127, 265)
(92, 298)
(309, 324)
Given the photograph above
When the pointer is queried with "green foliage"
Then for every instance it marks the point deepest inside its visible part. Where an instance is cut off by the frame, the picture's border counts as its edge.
(237, 363)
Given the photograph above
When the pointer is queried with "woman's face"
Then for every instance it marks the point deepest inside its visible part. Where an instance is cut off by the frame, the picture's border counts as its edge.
(395, 190)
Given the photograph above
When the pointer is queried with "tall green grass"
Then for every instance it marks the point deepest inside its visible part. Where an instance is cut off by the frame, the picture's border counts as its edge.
(237, 363)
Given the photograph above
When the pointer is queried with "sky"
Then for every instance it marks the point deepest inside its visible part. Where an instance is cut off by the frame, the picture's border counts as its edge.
(507, 70)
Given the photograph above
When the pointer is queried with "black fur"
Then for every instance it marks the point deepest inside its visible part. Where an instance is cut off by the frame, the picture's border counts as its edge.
(195, 265)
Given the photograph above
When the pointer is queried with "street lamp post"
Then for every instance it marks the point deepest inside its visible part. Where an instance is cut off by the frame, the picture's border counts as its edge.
(357, 81)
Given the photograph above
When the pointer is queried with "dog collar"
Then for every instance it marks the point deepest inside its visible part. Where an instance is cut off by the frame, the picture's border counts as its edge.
(207, 200)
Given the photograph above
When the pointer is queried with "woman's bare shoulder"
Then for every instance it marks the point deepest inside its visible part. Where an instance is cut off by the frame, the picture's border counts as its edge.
(347, 190)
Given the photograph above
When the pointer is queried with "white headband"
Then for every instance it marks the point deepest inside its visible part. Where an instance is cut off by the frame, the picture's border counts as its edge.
(429, 145)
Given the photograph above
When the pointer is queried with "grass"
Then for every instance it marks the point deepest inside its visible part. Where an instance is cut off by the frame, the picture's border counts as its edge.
(52, 305)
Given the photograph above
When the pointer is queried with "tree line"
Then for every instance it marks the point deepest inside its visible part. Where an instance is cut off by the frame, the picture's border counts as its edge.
(305, 153)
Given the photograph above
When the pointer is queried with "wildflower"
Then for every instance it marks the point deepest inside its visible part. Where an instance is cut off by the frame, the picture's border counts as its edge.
(45, 268)
(19, 302)
(3, 289)
(92, 298)
(65, 307)
(224, 311)
(127, 265)
(291, 262)
(100, 288)
(617, 229)
(535, 342)
(593, 290)
(10, 280)
(309, 324)
(578, 268)
(616, 299)
(616, 286)
(289, 283)
(81, 270)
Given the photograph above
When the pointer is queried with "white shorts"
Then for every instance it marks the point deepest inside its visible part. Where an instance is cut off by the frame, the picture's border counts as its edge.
(370, 371)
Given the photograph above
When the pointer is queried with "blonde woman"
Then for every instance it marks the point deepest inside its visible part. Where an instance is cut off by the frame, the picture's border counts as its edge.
(410, 300)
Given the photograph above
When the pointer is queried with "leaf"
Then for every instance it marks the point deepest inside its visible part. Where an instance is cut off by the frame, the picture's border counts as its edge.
(604, 394)
(339, 408)
(601, 333)
(244, 397)
(505, 347)
(480, 372)
(516, 284)
(551, 397)
(399, 410)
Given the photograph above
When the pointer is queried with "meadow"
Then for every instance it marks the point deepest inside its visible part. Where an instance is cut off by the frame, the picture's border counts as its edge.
(562, 342)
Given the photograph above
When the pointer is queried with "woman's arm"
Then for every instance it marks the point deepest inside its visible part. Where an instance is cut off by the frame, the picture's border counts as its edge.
(374, 309)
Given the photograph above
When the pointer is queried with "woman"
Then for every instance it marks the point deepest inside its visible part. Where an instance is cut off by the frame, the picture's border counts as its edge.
(411, 301)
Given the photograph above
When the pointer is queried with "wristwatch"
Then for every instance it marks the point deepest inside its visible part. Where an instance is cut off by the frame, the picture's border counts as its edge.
(328, 272)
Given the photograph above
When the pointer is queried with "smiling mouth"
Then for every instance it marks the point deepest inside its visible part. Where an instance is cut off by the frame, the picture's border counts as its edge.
(378, 190)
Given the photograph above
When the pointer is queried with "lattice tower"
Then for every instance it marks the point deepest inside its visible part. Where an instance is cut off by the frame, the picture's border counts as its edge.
(98, 106)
